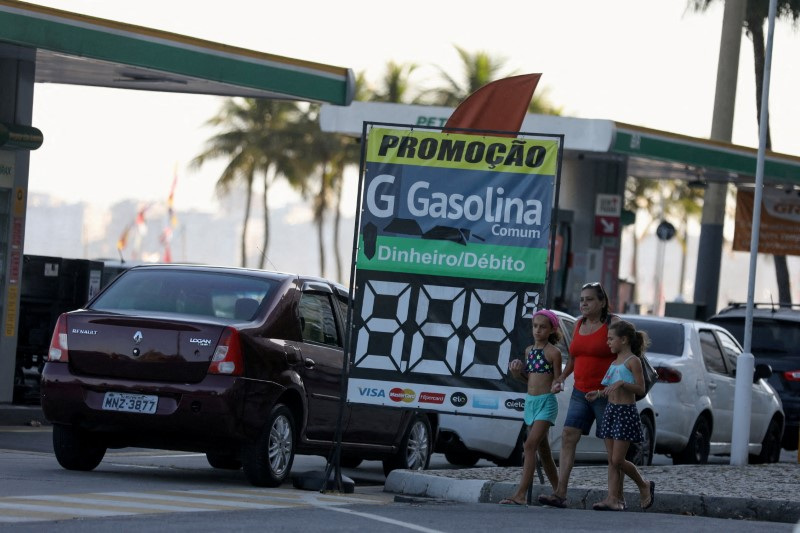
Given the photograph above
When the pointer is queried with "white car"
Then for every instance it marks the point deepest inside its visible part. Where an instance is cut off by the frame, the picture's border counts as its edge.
(466, 439)
(696, 364)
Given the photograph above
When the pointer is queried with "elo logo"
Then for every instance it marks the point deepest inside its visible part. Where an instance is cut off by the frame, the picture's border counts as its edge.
(459, 399)
(517, 404)
(402, 395)
(372, 393)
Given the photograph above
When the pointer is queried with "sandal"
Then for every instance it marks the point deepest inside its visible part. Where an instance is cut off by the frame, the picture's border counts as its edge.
(603, 506)
(553, 501)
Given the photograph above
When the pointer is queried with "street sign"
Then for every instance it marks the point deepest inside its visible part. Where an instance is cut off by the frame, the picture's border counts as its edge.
(609, 205)
(606, 226)
(665, 231)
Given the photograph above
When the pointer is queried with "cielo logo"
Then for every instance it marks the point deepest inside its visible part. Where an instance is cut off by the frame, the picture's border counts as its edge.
(459, 399)
(517, 404)
(431, 397)
(402, 395)
(372, 393)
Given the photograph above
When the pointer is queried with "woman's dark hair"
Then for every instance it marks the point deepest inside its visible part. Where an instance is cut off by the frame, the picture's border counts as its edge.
(601, 294)
(638, 340)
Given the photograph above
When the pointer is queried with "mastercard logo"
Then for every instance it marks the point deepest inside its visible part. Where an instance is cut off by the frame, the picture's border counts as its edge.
(402, 395)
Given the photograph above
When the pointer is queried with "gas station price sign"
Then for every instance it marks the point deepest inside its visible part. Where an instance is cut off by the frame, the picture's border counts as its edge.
(452, 257)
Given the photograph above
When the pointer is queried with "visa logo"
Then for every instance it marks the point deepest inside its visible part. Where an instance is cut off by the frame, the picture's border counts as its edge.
(372, 393)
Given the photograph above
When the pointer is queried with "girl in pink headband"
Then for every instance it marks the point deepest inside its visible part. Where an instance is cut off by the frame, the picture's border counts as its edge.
(541, 366)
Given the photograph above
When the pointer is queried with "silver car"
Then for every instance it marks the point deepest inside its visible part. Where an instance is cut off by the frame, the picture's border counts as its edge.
(696, 364)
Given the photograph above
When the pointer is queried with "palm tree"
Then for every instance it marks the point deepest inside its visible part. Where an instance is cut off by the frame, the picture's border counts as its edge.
(756, 14)
(250, 139)
(480, 68)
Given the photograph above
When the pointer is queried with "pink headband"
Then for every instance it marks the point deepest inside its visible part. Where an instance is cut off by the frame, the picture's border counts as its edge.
(549, 314)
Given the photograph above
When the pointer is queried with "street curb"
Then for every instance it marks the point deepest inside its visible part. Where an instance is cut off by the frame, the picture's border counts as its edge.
(484, 491)
(21, 415)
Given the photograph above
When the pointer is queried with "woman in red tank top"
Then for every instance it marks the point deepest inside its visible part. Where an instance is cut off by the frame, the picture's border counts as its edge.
(589, 358)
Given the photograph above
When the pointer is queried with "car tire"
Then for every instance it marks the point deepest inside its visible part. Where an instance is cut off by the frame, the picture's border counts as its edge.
(267, 462)
(641, 453)
(464, 458)
(415, 448)
(790, 438)
(517, 456)
(223, 460)
(770, 446)
(699, 445)
(77, 449)
(349, 461)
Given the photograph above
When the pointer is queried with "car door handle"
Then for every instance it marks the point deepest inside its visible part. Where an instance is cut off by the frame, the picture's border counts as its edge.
(309, 363)
(712, 385)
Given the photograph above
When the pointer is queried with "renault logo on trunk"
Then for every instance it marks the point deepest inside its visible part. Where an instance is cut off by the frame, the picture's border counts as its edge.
(137, 337)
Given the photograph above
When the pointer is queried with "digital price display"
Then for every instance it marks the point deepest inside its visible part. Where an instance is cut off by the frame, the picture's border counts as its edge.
(453, 247)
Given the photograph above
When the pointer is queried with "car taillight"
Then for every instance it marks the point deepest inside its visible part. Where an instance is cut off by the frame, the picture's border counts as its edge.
(227, 358)
(58, 344)
(792, 375)
(668, 375)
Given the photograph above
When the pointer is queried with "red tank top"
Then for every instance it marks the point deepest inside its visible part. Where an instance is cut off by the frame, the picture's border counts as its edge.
(591, 357)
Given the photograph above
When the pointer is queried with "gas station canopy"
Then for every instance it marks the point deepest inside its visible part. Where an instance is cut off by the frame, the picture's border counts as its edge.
(649, 153)
(78, 49)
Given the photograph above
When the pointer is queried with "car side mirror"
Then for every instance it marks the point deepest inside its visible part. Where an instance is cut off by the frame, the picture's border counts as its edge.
(762, 371)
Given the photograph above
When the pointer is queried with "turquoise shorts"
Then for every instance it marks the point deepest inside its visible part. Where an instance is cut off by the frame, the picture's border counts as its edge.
(541, 407)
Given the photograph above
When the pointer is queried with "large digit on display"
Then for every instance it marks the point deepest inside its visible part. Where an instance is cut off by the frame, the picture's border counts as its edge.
(471, 366)
(427, 328)
(374, 325)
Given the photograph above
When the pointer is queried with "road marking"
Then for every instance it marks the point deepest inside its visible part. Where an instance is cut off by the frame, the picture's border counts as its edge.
(385, 520)
(40, 508)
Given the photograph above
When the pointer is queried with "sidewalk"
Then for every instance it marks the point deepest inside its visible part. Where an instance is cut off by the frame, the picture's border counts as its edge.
(755, 492)
(21, 415)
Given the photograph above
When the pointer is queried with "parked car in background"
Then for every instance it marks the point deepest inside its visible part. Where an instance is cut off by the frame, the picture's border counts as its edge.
(466, 439)
(775, 341)
(242, 365)
(696, 364)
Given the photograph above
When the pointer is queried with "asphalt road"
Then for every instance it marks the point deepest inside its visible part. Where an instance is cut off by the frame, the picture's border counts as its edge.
(160, 491)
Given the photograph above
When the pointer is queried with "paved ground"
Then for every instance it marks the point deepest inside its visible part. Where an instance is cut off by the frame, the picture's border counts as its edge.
(760, 492)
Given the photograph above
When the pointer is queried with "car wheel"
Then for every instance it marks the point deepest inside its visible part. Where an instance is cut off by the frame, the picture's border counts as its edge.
(77, 449)
(698, 447)
(415, 448)
(223, 461)
(790, 438)
(641, 453)
(268, 461)
(349, 461)
(770, 446)
(517, 456)
(465, 458)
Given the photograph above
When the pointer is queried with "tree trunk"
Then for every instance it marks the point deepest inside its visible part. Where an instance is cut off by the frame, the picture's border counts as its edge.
(245, 222)
(756, 28)
(337, 222)
(262, 258)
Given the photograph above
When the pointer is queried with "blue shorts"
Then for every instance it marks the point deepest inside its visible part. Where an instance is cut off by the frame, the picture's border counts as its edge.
(621, 422)
(581, 412)
(541, 407)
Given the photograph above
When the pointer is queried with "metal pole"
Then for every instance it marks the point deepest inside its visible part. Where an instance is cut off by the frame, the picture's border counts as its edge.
(742, 400)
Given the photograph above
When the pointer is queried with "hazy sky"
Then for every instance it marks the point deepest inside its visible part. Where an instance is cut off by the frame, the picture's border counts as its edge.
(647, 63)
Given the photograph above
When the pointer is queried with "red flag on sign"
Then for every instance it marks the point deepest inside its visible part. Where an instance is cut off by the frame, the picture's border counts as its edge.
(498, 106)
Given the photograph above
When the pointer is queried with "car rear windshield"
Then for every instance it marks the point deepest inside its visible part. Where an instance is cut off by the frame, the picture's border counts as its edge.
(770, 336)
(186, 292)
(665, 337)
